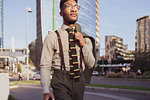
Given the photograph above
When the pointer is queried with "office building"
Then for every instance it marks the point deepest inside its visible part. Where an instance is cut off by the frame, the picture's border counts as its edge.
(1, 25)
(142, 39)
(48, 19)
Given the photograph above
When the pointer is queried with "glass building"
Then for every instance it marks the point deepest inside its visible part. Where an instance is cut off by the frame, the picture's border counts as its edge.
(1, 24)
(48, 19)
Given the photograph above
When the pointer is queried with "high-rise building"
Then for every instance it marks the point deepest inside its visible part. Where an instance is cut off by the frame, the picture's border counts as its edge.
(143, 34)
(115, 49)
(48, 19)
(1, 25)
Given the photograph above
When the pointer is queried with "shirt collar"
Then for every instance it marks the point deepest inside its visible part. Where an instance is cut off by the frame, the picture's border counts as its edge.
(64, 27)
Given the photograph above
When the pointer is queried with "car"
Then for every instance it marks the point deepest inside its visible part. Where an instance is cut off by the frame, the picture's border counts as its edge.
(37, 75)
(95, 73)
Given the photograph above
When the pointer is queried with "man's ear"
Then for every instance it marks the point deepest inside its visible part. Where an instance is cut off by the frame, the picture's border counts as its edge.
(61, 13)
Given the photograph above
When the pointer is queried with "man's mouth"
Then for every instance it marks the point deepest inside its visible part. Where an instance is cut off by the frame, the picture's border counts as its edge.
(73, 15)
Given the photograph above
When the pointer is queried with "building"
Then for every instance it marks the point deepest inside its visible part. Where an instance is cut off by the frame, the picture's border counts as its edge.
(48, 19)
(142, 34)
(115, 49)
(1, 25)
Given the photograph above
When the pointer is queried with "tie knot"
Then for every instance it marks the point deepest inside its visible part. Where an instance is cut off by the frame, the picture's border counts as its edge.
(70, 30)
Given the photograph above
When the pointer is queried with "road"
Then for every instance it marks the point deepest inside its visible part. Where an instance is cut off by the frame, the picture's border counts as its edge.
(34, 92)
(120, 81)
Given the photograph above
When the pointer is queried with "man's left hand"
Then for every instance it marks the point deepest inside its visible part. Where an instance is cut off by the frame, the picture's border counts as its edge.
(79, 37)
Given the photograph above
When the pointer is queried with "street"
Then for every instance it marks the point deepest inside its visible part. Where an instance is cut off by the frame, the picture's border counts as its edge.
(34, 92)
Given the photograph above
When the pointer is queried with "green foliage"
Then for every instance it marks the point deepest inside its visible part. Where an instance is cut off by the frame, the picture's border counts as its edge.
(29, 61)
(97, 68)
(120, 87)
(10, 97)
(19, 68)
(17, 82)
(103, 61)
(146, 73)
(142, 61)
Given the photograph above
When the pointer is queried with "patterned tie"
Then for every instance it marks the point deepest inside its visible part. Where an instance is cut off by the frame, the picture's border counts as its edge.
(73, 59)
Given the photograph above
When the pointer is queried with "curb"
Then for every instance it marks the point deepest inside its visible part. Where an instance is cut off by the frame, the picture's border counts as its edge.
(120, 90)
(12, 87)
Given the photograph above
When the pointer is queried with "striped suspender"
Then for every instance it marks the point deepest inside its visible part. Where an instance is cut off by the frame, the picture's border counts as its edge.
(62, 54)
(61, 51)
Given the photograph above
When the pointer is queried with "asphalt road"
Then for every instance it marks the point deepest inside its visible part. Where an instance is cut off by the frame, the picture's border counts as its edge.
(127, 82)
(34, 92)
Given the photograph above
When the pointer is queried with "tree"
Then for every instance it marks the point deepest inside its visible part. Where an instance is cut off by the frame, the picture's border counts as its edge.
(19, 68)
(142, 61)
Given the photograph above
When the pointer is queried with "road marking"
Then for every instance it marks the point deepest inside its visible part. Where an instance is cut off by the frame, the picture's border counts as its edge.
(108, 96)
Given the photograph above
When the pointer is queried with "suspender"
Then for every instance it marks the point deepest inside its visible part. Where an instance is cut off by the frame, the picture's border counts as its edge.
(61, 51)
(62, 54)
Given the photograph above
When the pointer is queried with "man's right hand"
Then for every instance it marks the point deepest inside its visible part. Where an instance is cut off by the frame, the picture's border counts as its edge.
(48, 95)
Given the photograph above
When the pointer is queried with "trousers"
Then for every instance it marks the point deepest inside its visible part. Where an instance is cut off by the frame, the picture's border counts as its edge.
(65, 88)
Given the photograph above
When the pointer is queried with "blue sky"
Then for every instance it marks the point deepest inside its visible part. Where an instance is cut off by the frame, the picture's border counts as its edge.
(117, 17)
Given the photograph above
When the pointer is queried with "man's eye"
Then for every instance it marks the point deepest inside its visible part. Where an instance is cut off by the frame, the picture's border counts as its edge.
(69, 6)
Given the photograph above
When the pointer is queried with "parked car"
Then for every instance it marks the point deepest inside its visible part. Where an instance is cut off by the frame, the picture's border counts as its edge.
(37, 75)
(95, 73)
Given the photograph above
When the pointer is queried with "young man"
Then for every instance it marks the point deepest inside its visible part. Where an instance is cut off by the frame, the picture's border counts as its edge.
(68, 60)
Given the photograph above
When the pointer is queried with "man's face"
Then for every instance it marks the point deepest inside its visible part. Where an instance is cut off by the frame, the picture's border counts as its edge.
(70, 12)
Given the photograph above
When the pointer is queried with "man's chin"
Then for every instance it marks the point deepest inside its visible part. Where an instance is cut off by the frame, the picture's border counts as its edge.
(72, 21)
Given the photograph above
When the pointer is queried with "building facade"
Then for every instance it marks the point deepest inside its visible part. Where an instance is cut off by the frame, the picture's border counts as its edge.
(115, 49)
(143, 34)
(48, 19)
(1, 25)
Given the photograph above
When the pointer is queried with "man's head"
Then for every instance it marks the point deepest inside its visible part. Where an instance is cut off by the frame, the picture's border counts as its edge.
(69, 11)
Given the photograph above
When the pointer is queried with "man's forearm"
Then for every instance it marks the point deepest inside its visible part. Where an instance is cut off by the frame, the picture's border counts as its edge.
(45, 79)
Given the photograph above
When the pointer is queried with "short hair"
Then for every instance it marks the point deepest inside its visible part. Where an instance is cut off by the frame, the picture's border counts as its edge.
(62, 3)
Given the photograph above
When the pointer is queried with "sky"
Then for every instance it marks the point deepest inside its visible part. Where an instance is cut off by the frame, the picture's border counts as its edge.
(117, 17)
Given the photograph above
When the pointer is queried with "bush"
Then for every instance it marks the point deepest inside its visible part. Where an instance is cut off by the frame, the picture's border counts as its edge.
(111, 75)
(120, 75)
(132, 75)
(10, 97)
(146, 73)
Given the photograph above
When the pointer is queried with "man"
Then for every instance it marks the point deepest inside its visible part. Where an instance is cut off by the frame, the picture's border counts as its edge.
(67, 60)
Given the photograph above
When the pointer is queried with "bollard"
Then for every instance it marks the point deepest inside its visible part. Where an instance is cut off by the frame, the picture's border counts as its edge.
(4, 86)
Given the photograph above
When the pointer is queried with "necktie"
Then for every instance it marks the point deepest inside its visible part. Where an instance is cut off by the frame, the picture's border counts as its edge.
(73, 59)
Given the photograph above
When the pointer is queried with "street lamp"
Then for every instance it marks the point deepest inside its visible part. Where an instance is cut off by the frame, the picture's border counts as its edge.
(27, 10)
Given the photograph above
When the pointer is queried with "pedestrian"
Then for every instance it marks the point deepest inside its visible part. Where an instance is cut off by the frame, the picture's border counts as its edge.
(20, 76)
(68, 54)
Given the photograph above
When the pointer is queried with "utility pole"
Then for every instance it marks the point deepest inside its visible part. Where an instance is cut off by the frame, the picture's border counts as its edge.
(97, 31)
(54, 17)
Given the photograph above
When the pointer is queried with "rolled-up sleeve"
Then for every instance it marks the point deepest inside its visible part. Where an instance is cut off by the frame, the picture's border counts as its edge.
(88, 54)
(46, 63)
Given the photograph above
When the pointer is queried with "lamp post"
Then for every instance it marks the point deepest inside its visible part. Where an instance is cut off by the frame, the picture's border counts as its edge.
(27, 10)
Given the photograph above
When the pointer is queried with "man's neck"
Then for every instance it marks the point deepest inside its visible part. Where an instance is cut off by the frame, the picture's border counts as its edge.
(70, 25)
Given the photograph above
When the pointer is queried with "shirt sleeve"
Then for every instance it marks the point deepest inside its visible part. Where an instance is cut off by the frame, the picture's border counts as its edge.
(46, 63)
(88, 53)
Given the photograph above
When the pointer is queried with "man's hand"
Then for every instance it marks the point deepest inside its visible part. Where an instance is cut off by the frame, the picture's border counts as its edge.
(79, 37)
(48, 95)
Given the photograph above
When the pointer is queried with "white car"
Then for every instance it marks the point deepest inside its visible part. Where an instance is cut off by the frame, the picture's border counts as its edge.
(95, 73)
(37, 76)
